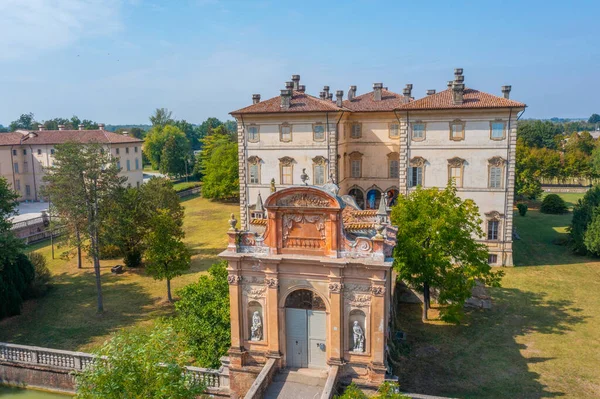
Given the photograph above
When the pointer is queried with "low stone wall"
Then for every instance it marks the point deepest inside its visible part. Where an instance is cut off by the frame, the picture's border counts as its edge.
(53, 369)
(331, 384)
(260, 385)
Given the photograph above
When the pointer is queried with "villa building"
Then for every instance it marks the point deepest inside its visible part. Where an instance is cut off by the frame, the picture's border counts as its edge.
(24, 155)
(383, 143)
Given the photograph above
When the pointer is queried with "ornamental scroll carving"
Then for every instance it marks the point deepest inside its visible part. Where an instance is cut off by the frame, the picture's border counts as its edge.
(497, 161)
(232, 279)
(378, 290)
(302, 241)
(494, 215)
(456, 162)
(286, 161)
(417, 162)
(254, 292)
(357, 295)
(272, 282)
(303, 200)
(336, 287)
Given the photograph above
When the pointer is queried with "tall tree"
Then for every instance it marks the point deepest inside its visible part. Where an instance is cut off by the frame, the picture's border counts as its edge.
(161, 117)
(167, 256)
(595, 118)
(221, 174)
(437, 248)
(175, 155)
(208, 126)
(190, 132)
(155, 141)
(140, 364)
(25, 121)
(79, 182)
(539, 134)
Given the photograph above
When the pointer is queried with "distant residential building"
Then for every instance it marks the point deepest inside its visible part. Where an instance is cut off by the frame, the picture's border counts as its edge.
(385, 143)
(25, 155)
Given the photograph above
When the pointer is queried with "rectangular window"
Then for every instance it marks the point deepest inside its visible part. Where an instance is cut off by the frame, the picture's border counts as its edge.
(285, 133)
(24, 152)
(137, 184)
(319, 132)
(356, 131)
(14, 152)
(128, 165)
(497, 130)
(457, 131)
(394, 168)
(135, 150)
(126, 150)
(394, 130)
(286, 175)
(319, 175)
(456, 175)
(254, 174)
(16, 167)
(252, 133)
(117, 151)
(137, 163)
(415, 176)
(495, 177)
(39, 152)
(418, 131)
(492, 259)
(119, 165)
(18, 184)
(27, 190)
(25, 167)
(355, 168)
(492, 230)
(51, 151)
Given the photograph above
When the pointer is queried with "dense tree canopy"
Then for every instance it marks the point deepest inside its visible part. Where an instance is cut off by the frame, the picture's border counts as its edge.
(156, 141)
(583, 213)
(595, 118)
(176, 155)
(438, 248)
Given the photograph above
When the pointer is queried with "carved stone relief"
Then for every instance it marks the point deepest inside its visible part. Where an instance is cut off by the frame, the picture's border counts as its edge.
(303, 200)
(336, 287)
(272, 282)
(232, 279)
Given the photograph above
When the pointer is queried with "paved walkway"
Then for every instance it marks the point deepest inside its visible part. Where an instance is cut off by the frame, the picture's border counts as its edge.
(297, 384)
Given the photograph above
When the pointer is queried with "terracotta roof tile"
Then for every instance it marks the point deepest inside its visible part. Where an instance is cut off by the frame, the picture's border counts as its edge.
(472, 99)
(43, 137)
(300, 102)
(366, 103)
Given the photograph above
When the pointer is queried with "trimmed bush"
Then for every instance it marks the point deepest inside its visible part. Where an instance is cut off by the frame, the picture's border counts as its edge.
(522, 209)
(39, 285)
(582, 217)
(553, 204)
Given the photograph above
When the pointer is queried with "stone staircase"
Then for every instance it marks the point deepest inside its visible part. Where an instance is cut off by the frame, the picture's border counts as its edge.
(297, 384)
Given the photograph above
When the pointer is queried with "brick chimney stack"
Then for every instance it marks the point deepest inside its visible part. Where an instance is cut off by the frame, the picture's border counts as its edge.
(296, 80)
(352, 93)
(326, 91)
(61, 127)
(41, 128)
(458, 87)
(301, 88)
(506, 91)
(377, 89)
(430, 92)
(81, 126)
(330, 96)
(101, 126)
(289, 85)
(255, 98)
(286, 98)
(339, 97)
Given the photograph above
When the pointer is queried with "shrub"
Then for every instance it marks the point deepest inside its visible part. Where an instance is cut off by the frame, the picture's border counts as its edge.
(133, 258)
(386, 391)
(582, 217)
(110, 251)
(39, 285)
(553, 204)
(15, 278)
(522, 209)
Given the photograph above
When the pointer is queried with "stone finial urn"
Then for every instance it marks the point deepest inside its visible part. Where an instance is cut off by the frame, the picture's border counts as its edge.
(232, 223)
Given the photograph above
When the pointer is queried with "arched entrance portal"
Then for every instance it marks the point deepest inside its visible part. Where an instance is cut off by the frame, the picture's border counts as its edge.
(305, 326)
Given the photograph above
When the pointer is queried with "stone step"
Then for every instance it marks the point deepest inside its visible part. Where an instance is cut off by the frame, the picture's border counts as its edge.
(312, 378)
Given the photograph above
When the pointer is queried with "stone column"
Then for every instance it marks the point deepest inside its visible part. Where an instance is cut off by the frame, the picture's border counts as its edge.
(236, 352)
(272, 302)
(336, 292)
(377, 367)
(403, 158)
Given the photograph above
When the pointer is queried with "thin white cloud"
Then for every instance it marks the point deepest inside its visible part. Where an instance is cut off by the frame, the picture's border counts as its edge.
(37, 26)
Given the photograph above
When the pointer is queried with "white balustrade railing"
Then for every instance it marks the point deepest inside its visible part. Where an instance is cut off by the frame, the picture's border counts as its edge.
(77, 361)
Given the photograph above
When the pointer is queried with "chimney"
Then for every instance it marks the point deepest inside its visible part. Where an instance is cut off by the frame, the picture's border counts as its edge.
(506, 91)
(352, 93)
(61, 127)
(458, 90)
(286, 98)
(296, 80)
(301, 88)
(457, 72)
(430, 92)
(339, 97)
(450, 84)
(255, 98)
(407, 92)
(81, 126)
(41, 127)
(377, 91)
(289, 85)
(326, 90)
(101, 126)
(126, 133)
(322, 95)
(330, 96)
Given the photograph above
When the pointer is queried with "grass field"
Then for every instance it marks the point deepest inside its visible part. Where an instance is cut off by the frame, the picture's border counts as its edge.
(540, 340)
(66, 318)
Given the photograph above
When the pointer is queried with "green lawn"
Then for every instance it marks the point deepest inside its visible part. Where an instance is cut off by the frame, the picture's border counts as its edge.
(66, 318)
(540, 340)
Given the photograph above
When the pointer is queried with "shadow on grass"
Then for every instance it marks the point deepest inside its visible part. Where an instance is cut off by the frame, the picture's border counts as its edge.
(66, 317)
(481, 358)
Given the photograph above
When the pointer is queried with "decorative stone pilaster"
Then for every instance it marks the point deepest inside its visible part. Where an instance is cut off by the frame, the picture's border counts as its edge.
(403, 158)
(234, 279)
(336, 298)
(272, 311)
(332, 152)
(378, 323)
(510, 194)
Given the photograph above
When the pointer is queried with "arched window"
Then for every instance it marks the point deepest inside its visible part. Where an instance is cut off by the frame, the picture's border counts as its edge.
(304, 299)
(358, 197)
(373, 198)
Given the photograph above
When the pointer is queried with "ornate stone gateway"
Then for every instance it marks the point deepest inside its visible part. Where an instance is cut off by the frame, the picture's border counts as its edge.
(310, 286)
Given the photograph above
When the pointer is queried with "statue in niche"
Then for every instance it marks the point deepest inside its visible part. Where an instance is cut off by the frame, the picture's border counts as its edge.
(359, 338)
(256, 329)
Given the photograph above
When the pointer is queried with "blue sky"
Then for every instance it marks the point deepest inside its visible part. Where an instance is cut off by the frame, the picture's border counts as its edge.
(115, 61)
